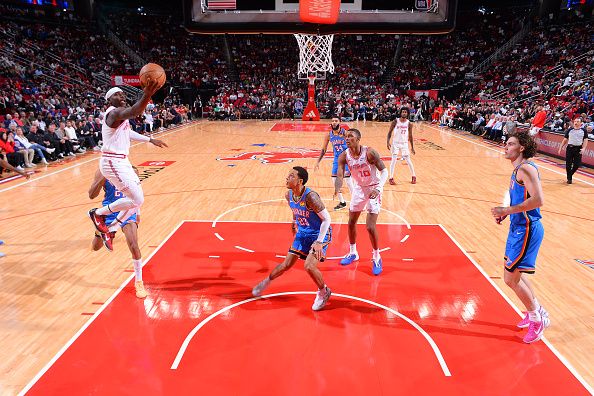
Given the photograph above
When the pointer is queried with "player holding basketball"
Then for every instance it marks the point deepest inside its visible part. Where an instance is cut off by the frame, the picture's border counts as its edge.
(337, 137)
(114, 164)
(369, 174)
(398, 145)
(311, 227)
(129, 228)
(525, 232)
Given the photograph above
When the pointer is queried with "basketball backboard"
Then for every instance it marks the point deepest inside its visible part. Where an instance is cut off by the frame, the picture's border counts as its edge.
(356, 17)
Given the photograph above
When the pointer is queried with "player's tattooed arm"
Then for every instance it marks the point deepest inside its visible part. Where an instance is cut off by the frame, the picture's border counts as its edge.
(374, 158)
(97, 185)
(323, 152)
(339, 173)
(314, 202)
(392, 126)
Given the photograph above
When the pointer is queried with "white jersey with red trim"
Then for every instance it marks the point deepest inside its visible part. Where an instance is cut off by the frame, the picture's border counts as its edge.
(115, 140)
(363, 173)
(400, 133)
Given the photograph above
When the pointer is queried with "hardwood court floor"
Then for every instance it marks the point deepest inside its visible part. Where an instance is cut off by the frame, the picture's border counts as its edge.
(52, 282)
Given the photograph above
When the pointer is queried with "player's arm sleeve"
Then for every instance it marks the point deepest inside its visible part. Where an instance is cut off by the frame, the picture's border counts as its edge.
(325, 216)
(383, 178)
(138, 136)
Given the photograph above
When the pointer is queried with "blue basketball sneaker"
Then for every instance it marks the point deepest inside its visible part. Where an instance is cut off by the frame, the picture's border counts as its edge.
(377, 266)
(349, 258)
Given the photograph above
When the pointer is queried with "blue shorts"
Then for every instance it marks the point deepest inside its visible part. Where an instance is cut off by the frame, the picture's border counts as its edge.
(522, 247)
(110, 218)
(335, 169)
(302, 244)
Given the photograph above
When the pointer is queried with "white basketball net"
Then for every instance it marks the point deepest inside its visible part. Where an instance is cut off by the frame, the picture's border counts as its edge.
(315, 54)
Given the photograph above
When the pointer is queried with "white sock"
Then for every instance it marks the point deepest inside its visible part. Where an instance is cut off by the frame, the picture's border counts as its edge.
(113, 227)
(353, 249)
(341, 198)
(137, 269)
(376, 254)
(116, 206)
(534, 316)
(322, 288)
(104, 211)
(410, 165)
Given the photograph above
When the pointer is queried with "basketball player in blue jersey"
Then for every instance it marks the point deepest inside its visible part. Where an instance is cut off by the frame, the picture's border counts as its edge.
(129, 228)
(311, 227)
(337, 137)
(525, 232)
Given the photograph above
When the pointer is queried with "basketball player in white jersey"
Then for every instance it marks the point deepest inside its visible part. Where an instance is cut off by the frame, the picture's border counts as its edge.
(398, 144)
(114, 164)
(368, 176)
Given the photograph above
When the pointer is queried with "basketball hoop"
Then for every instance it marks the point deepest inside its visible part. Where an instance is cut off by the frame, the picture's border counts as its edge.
(315, 54)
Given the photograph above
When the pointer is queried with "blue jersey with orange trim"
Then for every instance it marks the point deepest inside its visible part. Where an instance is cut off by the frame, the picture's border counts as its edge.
(518, 194)
(308, 222)
(338, 141)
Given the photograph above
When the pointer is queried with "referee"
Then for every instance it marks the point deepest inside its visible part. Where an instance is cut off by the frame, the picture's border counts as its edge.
(576, 139)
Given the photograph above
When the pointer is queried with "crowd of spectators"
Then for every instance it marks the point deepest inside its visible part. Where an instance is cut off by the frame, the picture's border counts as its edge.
(50, 95)
(550, 69)
(51, 67)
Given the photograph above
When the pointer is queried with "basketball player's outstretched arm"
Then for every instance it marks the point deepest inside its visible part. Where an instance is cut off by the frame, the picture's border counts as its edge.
(392, 126)
(340, 173)
(126, 113)
(324, 147)
(528, 175)
(374, 158)
(410, 138)
(314, 203)
(97, 185)
(6, 165)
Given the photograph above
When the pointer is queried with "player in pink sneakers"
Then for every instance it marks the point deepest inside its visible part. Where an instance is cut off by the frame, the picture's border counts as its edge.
(525, 232)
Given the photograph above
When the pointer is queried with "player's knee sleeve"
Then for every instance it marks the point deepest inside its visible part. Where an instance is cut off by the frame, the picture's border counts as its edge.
(137, 196)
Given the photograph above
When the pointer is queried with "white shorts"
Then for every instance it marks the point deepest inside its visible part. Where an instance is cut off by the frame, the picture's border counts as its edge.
(534, 130)
(120, 173)
(360, 200)
(401, 150)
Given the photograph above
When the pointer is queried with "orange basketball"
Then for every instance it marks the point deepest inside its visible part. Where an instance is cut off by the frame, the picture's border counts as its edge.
(154, 72)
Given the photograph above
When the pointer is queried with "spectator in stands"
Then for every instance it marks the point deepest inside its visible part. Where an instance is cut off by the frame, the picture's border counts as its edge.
(28, 154)
(70, 134)
(85, 135)
(15, 158)
(56, 137)
(538, 121)
(39, 149)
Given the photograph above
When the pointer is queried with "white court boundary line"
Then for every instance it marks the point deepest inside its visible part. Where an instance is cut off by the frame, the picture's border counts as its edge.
(92, 319)
(218, 219)
(509, 301)
(162, 134)
(117, 292)
(191, 334)
(457, 136)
